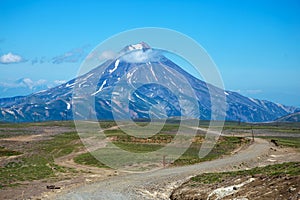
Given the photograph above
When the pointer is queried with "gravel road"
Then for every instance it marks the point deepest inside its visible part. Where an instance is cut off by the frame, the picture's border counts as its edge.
(159, 184)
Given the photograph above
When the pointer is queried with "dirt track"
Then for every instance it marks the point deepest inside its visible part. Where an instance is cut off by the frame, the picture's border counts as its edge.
(159, 184)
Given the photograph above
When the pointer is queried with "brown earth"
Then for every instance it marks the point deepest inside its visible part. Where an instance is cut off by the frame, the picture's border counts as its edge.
(261, 188)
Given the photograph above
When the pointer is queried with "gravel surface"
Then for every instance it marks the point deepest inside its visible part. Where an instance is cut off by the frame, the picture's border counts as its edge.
(159, 184)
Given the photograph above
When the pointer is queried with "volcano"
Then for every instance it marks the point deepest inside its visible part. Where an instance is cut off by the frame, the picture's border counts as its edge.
(139, 83)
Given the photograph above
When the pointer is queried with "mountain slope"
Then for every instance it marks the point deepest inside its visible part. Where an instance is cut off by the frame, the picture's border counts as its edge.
(294, 117)
(107, 85)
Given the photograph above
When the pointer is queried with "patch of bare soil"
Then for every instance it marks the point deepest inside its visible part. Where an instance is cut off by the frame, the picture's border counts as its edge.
(260, 187)
(23, 138)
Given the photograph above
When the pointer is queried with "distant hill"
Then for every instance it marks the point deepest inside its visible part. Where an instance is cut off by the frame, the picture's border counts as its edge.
(294, 117)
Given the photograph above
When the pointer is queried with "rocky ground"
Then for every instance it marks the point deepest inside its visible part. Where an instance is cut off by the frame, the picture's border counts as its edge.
(260, 187)
(247, 187)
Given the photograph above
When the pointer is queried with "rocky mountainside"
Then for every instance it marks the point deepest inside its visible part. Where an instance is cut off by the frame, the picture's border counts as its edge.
(106, 89)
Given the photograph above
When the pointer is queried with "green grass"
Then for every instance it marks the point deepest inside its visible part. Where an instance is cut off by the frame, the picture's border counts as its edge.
(291, 168)
(107, 124)
(161, 136)
(115, 132)
(286, 141)
(138, 147)
(89, 159)
(6, 152)
(276, 126)
(60, 145)
(28, 168)
(289, 142)
(224, 147)
(39, 163)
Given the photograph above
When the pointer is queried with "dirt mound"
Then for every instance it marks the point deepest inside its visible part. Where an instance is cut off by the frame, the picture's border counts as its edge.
(260, 187)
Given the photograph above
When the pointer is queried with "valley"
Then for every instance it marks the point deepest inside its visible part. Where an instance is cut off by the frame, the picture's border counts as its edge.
(36, 155)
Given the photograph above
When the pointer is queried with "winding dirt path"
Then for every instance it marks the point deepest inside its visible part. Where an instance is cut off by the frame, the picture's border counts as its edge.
(159, 184)
(68, 160)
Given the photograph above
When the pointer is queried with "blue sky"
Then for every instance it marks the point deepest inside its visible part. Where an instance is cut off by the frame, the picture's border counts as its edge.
(255, 44)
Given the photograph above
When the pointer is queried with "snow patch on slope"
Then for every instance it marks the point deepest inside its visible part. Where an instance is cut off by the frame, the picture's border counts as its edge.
(116, 66)
(220, 193)
(100, 89)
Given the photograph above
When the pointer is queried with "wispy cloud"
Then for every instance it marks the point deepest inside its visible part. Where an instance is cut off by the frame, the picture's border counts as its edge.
(10, 58)
(34, 61)
(40, 60)
(71, 56)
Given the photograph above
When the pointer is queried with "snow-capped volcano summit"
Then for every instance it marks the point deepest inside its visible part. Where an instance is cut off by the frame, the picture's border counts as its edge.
(139, 53)
(136, 52)
(138, 46)
(104, 91)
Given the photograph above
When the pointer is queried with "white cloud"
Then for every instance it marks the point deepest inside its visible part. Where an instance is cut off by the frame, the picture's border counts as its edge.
(138, 56)
(10, 58)
(27, 82)
(59, 82)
